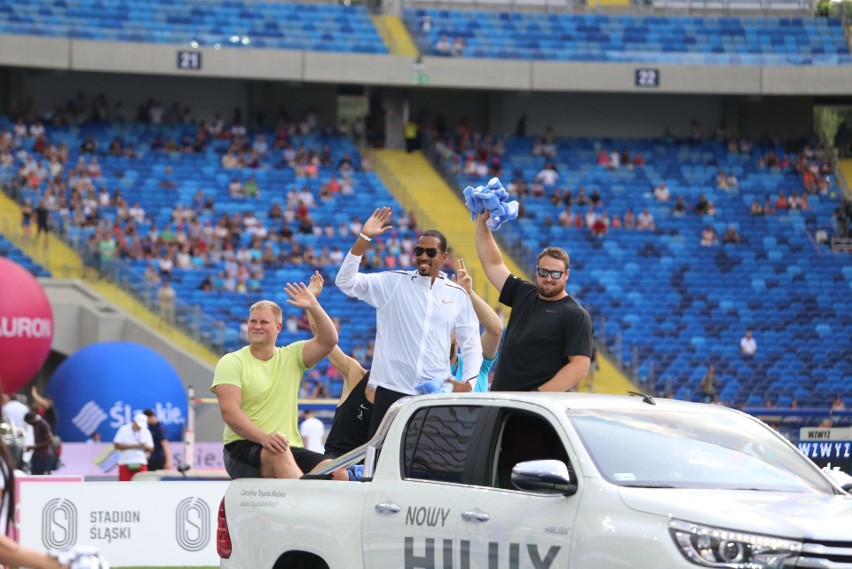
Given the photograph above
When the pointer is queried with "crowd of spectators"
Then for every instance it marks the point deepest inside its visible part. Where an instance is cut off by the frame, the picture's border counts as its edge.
(474, 154)
(235, 249)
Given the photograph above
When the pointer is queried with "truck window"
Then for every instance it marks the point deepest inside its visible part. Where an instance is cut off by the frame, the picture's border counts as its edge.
(436, 442)
(523, 437)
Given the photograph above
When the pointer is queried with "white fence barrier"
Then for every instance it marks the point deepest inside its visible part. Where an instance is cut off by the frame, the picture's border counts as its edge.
(151, 524)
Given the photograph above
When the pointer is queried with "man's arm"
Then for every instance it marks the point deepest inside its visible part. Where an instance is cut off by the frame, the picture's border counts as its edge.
(38, 398)
(167, 453)
(492, 331)
(346, 277)
(467, 335)
(148, 442)
(488, 319)
(230, 399)
(489, 254)
(320, 345)
(569, 376)
(349, 368)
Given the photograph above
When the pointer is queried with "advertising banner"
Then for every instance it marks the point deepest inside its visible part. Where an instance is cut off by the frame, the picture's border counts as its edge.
(147, 524)
(828, 447)
(100, 459)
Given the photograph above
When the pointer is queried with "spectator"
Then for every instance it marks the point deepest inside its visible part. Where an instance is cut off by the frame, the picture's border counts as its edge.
(547, 175)
(443, 46)
(731, 236)
(701, 205)
(679, 208)
(43, 405)
(709, 237)
(748, 346)
(645, 221)
(161, 457)
(42, 221)
(26, 219)
(166, 302)
(312, 431)
(458, 46)
(43, 459)
(251, 189)
(838, 404)
(235, 189)
(731, 180)
(708, 385)
(133, 442)
(756, 208)
(661, 192)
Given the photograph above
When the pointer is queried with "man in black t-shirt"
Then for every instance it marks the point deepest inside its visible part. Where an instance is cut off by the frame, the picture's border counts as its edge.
(548, 341)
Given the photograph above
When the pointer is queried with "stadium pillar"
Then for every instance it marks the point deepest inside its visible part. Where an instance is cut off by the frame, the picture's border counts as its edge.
(393, 102)
(391, 8)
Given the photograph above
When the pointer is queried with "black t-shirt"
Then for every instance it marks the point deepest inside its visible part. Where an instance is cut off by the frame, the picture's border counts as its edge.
(539, 338)
(351, 423)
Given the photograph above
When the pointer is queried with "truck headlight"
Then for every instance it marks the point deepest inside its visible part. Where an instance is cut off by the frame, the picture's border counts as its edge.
(716, 547)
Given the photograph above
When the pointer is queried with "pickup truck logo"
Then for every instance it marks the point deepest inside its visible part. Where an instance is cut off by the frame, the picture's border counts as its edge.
(426, 516)
(450, 552)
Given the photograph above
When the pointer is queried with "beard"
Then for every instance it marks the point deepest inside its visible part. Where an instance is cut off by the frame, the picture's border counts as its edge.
(425, 270)
(550, 292)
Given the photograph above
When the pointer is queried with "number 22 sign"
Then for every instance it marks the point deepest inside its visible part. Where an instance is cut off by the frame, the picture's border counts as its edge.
(647, 78)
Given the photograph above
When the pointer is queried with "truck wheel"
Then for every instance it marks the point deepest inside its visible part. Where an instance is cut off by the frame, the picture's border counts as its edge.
(300, 560)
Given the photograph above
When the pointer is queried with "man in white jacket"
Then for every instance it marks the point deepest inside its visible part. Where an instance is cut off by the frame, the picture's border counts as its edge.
(416, 313)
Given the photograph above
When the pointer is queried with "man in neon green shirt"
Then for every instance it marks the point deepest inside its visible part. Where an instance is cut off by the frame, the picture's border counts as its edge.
(258, 386)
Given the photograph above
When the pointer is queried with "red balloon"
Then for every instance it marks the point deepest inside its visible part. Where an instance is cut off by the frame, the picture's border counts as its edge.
(26, 326)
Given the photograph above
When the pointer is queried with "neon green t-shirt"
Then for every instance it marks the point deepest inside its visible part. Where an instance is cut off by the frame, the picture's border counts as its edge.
(270, 389)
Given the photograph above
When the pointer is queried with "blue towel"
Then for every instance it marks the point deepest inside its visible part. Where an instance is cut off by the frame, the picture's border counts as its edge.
(433, 386)
(355, 472)
(494, 198)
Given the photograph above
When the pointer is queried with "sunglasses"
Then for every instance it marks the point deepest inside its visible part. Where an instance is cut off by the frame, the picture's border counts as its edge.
(430, 251)
(555, 275)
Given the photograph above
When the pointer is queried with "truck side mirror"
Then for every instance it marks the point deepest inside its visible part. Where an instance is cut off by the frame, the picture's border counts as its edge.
(543, 476)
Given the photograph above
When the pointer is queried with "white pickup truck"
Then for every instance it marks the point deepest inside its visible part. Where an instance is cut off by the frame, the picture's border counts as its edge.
(546, 481)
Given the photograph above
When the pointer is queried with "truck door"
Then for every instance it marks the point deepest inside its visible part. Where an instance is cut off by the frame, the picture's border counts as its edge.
(410, 514)
(501, 526)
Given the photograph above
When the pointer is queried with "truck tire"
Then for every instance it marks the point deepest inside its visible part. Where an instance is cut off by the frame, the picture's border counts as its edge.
(300, 560)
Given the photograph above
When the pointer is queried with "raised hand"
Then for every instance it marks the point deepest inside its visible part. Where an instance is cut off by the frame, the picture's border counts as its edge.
(459, 386)
(300, 296)
(316, 284)
(462, 277)
(376, 224)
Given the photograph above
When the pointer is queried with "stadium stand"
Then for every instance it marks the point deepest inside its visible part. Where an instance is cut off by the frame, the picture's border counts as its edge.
(145, 179)
(729, 40)
(717, 290)
(791, 293)
(13, 253)
(273, 25)
(664, 305)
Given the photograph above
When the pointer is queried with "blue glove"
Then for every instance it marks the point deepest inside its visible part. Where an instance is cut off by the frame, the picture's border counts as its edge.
(494, 198)
(433, 386)
(355, 472)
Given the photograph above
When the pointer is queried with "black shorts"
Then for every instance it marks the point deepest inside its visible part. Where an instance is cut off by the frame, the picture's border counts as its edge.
(242, 459)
